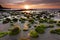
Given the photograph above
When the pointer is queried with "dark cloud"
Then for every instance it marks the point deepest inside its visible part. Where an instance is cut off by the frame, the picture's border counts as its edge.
(48, 2)
(31, 1)
(10, 1)
(43, 1)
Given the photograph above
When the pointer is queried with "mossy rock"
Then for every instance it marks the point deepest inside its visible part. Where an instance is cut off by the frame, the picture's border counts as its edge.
(58, 24)
(52, 31)
(22, 20)
(15, 20)
(29, 25)
(51, 21)
(50, 26)
(33, 34)
(41, 20)
(14, 31)
(2, 34)
(5, 22)
(25, 29)
(40, 29)
(8, 19)
(31, 21)
(56, 31)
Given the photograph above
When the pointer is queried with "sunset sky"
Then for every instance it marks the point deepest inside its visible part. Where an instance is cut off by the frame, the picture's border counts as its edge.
(30, 3)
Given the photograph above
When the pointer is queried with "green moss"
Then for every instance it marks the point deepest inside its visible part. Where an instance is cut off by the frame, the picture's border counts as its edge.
(41, 20)
(31, 21)
(40, 29)
(52, 31)
(14, 31)
(51, 26)
(58, 24)
(45, 20)
(42, 26)
(56, 31)
(22, 20)
(33, 34)
(2, 34)
(51, 21)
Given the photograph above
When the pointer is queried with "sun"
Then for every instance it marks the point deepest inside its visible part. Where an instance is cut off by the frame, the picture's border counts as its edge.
(26, 7)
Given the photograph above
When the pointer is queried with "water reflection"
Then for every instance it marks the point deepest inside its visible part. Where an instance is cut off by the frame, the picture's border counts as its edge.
(24, 34)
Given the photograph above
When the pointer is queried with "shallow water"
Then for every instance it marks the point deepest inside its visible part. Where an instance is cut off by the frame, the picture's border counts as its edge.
(24, 34)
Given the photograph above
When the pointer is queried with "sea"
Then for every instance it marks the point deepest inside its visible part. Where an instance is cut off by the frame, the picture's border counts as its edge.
(24, 34)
